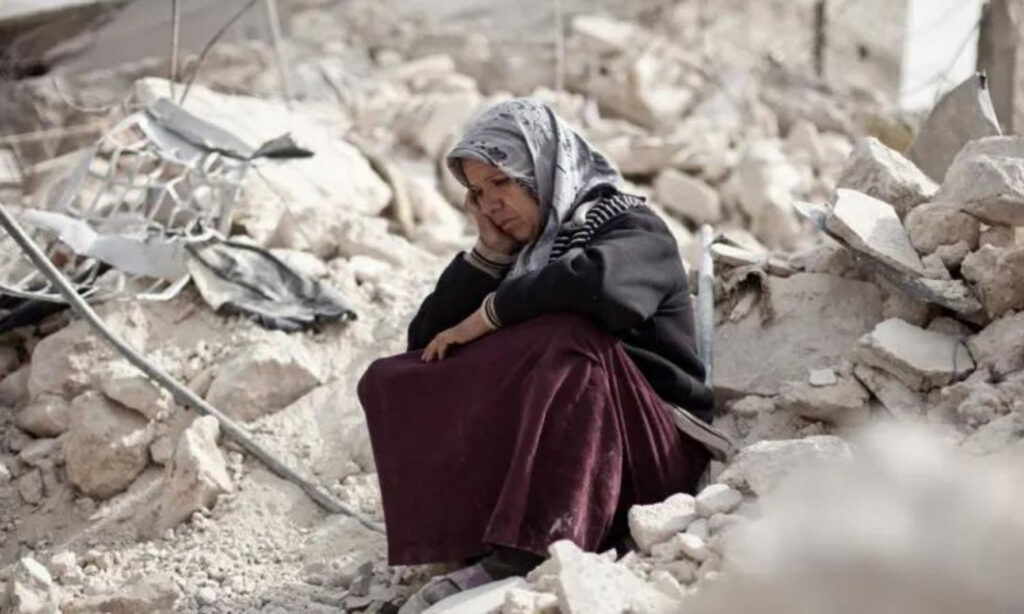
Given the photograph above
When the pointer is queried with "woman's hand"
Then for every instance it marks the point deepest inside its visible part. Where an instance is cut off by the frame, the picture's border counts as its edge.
(490, 235)
(462, 333)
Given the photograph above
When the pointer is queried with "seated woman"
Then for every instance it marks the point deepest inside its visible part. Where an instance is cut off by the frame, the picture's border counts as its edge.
(542, 392)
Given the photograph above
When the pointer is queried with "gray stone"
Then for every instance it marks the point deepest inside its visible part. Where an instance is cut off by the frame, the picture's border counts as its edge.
(893, 394)
(988, 187)
(40, 453)
(822, 377)
(844, 403)
(921, 359)
(62, 563)
(952, 256)
(193, 480)
(107, 446)
(1000, 346)
(997, 276)
(999, 236)
(14, 387)
(761, 467)
(687, 196)
(30, 487)
(48, 415)
(934, 224)
(263, 379)
(754, 358)
(30, 589)
(871, 227)
(124, 383)
(885, 174)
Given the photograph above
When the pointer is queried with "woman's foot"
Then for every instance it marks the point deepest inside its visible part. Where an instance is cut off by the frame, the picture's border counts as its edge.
(500, 564)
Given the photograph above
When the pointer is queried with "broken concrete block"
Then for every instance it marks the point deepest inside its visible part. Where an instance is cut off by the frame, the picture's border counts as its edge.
(822, 377)
(997, 275)
(761, 467)
(124, 383)
(107, 446)
(655, 523)
(589, 584)
(921, 359)
(952, 256)
(688, 197)
(999, 236)
(62, 562)
(751, 358)
(41, 453)
(30, 589)
(990, 188)
(883, 173)
(830, 258)
(871, 227)
(951, 326)
(717, 499)
(893, 394)
(1000, 346)
(844, 403)
(935, 224)
(996, 436)
(486, 598)
(263, 379)
(193, 480)
(47, 416)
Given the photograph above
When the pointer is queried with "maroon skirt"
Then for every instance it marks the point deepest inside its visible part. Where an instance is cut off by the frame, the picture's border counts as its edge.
(541, 431)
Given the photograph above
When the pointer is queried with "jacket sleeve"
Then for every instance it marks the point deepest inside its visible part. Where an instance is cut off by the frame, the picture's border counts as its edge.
(619, 279)
(459, 292)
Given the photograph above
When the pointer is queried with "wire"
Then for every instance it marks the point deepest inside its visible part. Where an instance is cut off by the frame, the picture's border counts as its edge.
(209, 45)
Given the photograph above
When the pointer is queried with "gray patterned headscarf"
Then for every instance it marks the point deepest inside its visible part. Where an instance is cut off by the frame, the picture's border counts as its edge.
(526, 140)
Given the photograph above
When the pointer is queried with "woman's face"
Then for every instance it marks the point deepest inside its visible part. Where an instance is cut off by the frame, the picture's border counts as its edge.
(505, 203)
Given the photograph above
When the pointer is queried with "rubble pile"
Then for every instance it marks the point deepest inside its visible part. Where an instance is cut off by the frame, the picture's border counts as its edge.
(899, 299)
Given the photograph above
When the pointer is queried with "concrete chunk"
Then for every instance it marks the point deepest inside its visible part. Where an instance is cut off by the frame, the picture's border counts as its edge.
(893, 394)
(47, 416)
(885, 174)
(990, 188)
(871, 227)
(844, 402)
(1000, 346)
(997, 276)
(921, 359)
(655, 523)
(760, 467)
(717, 499)
(935, 224)
(108, 445)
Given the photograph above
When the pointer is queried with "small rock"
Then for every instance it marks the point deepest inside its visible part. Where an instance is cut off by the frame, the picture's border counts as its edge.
(760, 467)
(693, 546)
(1000, 346)
(14, 387)
(161, 449)
(108, 445)
(688, 197)
(997, 275)
(844, 402)
(998, 236)
(885, 174)
(921, 359)
(699, 528)
(30, 589)
(206, 595)
(684, 571)
(5, 473)
(63, 562)
(894, 395)
(822, 377)
(666, 583)
(124, 383)
(717, 499)
(935, 224)
(720, 521)
(40, 453)
(953, 255)
(952, 327)
(154, 594)
(193, 480)
(655, 523)
(30, 487)
(48, 415)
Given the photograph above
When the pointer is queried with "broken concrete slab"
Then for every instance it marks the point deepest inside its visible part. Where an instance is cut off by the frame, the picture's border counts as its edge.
(871, 227)
(761, 467)
(921, 359)
(990, 188)
(107, 446)
(1000, 346)
(964, 114)
(893, 394)
(997, 275)
(932, 225)
(754, 358)
(687, 196)
(196, 476)
(885, 174)
(844, 403)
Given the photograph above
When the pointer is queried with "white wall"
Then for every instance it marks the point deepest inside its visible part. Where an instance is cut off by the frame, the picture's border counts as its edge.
(940, 49)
